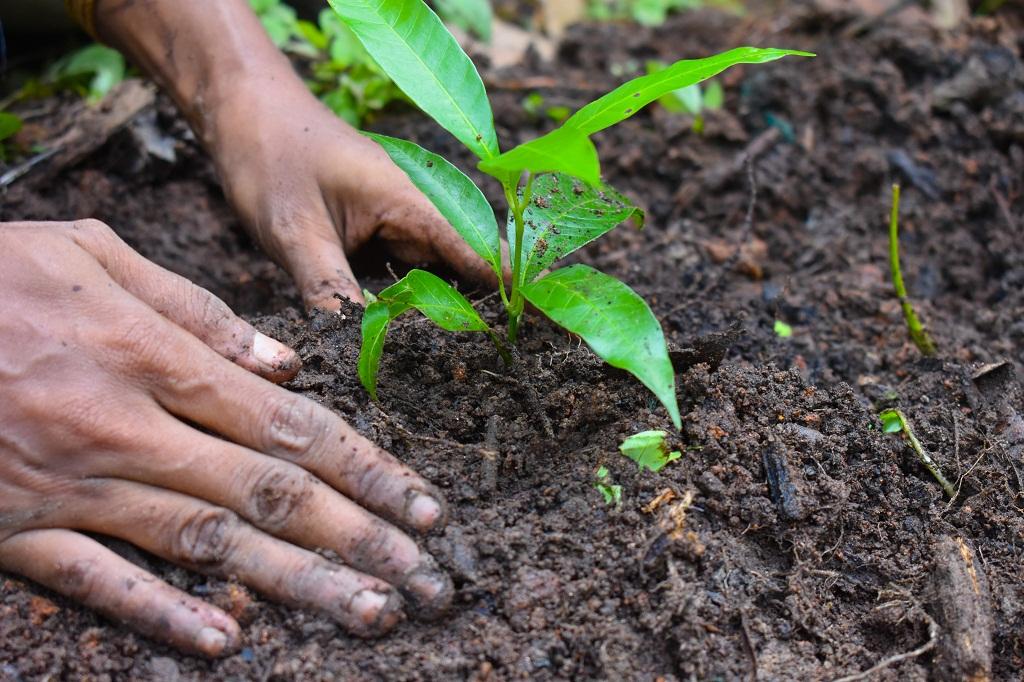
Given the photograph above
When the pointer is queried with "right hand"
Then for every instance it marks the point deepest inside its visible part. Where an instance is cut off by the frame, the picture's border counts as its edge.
(114, 374)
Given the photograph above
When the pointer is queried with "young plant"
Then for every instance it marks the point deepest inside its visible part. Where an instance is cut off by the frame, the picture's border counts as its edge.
(653, 12)
(475, 16)
(611, 492)
(918, 334)
(10, 125)
(552, 184)
(894, 421)
(649, 450)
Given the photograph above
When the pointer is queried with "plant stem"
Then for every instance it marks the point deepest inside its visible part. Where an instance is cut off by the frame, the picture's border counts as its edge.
(918, 334)
(518, 208)
(924, 457)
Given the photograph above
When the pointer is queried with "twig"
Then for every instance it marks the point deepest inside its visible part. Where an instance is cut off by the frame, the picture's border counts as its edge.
(715, 178)
(933, 638)
(745, 231)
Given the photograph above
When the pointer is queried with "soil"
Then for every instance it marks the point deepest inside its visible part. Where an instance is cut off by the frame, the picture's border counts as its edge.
(793, 539)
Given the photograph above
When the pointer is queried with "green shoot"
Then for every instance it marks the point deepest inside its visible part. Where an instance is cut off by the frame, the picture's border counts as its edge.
(894, 421)
(612, 493)
(649, 450)
(552, 184)
(652, 12)
(783, 330)
(475, 16)
(10, 125)
(917, 331)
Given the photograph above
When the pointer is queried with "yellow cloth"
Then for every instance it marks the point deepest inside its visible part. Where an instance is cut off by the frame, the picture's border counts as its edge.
(84, 13)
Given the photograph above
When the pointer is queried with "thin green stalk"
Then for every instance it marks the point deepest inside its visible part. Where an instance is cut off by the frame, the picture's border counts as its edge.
(518, 208)
(917, 331)
(922, 454)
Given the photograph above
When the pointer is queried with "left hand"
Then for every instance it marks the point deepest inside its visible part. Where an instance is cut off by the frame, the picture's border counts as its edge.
(311, 189)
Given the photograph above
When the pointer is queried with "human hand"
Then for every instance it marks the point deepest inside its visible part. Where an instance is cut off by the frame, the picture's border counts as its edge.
(311, 189)
(114, 374)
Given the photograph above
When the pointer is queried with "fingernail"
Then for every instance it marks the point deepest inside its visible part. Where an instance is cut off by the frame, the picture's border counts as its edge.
(271, 353)
(423, 510)
(429, 590)
(211, 641)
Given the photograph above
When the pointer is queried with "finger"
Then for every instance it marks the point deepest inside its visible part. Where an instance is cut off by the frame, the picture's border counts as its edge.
(214, 540)
(311, 250)
(85, 571)
(191, 307)
(192, 383)
(289, 503)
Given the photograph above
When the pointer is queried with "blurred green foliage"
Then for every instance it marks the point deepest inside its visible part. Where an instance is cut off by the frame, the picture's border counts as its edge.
(652, 12)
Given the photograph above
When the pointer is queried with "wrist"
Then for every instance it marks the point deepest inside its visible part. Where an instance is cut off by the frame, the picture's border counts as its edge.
(203, 54)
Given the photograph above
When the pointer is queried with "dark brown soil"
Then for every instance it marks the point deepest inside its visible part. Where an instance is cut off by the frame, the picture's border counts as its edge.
(801, 543)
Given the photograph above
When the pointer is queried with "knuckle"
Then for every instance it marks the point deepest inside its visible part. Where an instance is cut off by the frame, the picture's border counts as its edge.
(91, 234)
(372, 544)
(371, 480)
(279, 495)
(79, 579)
(207, 538)
(211, 313)
(294, 428)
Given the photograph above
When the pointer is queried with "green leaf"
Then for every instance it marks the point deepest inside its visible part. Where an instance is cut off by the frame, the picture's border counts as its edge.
(474, 16)
(614, 321)
(427, 293)
(714, 96)
(436, 299)
(376, 320)
(9, 125)
(892, 421)
(649, 450)
(783, 330)
(629, 98)
(564, 215)
(459, 200)
(415, 49)
(105, 65)
(612, 493)
(563, 150)
(312, 34)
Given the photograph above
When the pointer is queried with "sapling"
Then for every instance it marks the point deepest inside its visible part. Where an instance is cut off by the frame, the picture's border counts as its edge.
(552, 184)
(894, 421)
(649, 450)
(917, 331)
(612, 493)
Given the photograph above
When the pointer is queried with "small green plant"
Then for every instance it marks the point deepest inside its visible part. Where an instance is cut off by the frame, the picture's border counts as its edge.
(783, 330)
(918, 334)
(10, 125)
(693, 100)
(612, 493)
(652, 12)
(475, 16)
(535, 105)
(552, 184)
(649, 450)
(894, 421)
(91, 72)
